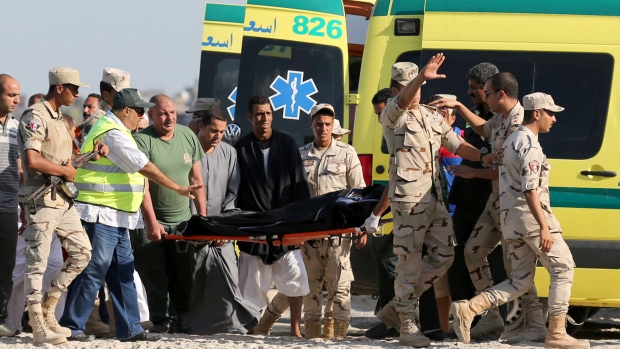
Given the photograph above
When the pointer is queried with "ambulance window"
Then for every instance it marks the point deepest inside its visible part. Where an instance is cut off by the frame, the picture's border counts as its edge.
(269, 65)
(218, 76)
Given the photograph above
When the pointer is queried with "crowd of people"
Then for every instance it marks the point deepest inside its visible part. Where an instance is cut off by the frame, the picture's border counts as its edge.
(96, 263)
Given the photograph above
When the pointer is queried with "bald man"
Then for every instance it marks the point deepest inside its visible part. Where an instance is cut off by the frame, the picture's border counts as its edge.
(9, 186)
(166, 272)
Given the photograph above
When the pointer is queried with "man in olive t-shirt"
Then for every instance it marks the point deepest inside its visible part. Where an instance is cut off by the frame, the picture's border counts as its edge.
(166, 267)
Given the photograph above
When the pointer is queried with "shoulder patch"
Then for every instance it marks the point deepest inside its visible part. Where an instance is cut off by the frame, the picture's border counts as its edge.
(534, 166)
(34, 123)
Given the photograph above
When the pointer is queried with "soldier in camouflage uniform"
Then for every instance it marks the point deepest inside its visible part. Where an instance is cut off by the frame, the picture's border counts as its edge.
(45, 145)
(330, 166)
(529, 228)
(112, 81)
(501, 91)
(414, 134)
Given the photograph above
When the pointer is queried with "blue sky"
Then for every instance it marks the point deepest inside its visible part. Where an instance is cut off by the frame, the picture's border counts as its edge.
(158, 42)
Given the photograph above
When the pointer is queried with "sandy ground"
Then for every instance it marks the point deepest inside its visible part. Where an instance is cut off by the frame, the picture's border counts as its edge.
(603, 331)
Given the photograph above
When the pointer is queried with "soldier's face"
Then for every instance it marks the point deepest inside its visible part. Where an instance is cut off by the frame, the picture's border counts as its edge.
(546, 121)
(211, 135)
(492, 97)
(164, 116)
(91, 105)
(261, 118)
(476, 92)
(378, 108)
(10, 96)
(322, 126)
(68, 94)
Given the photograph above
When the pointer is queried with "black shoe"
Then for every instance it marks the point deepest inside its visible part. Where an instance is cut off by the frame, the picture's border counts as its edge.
(161, 327)
(380, 331)
(183, 326)
(144, 337)
(81, 337)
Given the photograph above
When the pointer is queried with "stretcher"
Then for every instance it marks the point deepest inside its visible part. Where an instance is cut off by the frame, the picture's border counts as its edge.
(334, 215)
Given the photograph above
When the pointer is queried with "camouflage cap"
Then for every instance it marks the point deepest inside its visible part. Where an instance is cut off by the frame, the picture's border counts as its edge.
(130, 98)
(204, 104)
(404, 72)
(322, 106)
(118, 79)
(539, 100)
(339, 130)
(64, 75)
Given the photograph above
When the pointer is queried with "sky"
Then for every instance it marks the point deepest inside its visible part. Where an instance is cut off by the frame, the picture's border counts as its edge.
(158, 41)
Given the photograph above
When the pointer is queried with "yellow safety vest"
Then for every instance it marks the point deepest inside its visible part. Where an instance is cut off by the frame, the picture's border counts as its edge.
(103, 183)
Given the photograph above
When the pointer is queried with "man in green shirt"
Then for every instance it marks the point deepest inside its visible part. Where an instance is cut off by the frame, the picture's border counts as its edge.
(166, 267)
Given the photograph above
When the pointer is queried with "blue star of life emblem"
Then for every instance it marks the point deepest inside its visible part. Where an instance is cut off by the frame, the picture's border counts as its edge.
(233, 98)
(293, 94)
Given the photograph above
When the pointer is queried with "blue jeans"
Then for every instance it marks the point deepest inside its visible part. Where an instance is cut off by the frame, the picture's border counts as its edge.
(112, 261)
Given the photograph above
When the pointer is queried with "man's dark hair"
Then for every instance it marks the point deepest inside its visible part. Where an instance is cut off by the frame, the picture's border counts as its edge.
(481, 72)
(37, 96)
(506, 82)
(95, 95)
(104, 86)
(211, 114)
(528, 115)
(382, 96)
(258, 99)
(395, 84)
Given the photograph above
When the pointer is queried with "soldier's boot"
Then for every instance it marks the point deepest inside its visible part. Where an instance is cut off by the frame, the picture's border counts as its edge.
(491, 323)
(410, 334)
(535, 330)
(463, 313)
(95, 325)
(48, 307)
(328, 329)
(41, 333)
(340, 329)
(266, 322)
(389, 316)
(111, 322)
(558, 338)
(312, 328)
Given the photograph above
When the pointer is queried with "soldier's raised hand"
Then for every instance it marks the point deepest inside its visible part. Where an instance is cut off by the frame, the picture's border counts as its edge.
(429, 72)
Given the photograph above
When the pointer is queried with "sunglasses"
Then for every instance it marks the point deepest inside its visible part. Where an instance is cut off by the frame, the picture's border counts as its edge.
(140, 111)
(487, 93)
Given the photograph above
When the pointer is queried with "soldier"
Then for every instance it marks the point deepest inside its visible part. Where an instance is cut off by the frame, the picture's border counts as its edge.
(414, 134)
(529, 227)
(45, 145)
(330, 166)
(501, 91)
(198, 111)
(338, 131)
(112, 81)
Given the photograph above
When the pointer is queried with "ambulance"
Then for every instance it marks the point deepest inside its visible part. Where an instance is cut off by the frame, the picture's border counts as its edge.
(564, 48)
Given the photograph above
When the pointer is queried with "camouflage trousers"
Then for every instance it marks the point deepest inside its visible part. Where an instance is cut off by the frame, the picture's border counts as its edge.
(522, 255)
(415, 224)
(329, 264)
(483, 240)
(65, 223)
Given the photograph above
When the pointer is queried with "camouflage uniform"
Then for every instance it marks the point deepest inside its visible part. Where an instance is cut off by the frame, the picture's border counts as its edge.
(526, 168)
(487, 232)
(336, 169)
(420, 215)
(43, 130)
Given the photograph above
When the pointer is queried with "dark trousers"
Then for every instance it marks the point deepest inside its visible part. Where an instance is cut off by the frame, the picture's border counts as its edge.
(461, 287)
(8, 244)
(166, 269)
(386, 263)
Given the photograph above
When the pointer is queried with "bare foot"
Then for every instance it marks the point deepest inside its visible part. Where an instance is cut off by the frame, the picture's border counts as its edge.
(296, 332)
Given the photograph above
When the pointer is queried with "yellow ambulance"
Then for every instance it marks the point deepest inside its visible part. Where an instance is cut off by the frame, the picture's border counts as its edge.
(565, 48)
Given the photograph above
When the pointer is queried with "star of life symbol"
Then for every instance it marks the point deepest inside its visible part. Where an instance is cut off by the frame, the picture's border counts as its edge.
(233, 98)
(293, 94)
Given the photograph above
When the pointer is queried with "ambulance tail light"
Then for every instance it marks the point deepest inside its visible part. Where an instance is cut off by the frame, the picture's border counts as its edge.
(366, 161)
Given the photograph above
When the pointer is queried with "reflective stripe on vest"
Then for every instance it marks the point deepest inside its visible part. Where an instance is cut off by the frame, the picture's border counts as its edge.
(103, 183)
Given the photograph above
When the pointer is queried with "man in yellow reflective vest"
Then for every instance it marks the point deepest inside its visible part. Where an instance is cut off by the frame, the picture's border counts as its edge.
(111, 192)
